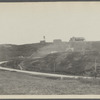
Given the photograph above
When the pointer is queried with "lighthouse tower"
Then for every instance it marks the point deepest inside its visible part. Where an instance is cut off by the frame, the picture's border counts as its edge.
(43, 41)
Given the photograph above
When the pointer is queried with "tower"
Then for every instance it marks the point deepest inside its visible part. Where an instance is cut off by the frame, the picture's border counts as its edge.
(44, 38)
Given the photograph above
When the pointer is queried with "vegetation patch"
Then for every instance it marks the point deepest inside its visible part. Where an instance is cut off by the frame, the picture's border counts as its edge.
(74, 63)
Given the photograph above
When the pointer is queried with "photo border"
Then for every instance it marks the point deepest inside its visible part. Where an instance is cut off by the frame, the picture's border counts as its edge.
(48, 97)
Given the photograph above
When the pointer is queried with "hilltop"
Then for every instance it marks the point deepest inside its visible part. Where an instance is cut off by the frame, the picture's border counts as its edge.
(9, 51)
(75, 58)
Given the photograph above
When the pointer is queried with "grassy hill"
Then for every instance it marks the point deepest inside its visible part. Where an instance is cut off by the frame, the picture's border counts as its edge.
(73, 63)
(8, 51)
(13, 83)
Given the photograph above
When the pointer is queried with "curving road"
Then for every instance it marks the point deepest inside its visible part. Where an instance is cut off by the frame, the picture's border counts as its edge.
(42, 74)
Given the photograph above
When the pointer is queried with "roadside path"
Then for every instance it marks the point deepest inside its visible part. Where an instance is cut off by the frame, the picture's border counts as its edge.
(43, 74)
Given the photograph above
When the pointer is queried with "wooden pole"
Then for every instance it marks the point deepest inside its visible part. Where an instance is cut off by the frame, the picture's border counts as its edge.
(54, 67)
(95, 67)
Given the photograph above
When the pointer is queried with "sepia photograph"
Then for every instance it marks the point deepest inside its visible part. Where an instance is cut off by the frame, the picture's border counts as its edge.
(50, 48)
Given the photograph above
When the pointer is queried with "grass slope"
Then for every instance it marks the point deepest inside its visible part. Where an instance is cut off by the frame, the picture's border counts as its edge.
(8, 51)
(74, 63)
(13, 83)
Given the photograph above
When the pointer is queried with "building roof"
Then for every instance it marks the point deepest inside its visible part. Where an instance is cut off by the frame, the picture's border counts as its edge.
(77, 39)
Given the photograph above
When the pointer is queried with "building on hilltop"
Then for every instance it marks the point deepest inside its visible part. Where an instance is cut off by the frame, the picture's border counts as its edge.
(74, 39)
(57, 41)
(78, 43)
(42, 41)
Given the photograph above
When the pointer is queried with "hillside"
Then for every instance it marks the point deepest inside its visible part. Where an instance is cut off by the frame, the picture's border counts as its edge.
(13, 83)
(73, 63)
(53, 58)
(79, 46)
(8, 51)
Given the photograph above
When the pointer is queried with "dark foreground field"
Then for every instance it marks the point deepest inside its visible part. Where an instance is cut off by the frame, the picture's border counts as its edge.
(13, 83)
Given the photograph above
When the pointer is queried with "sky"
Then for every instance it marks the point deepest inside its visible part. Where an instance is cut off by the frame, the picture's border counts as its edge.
(23, 23)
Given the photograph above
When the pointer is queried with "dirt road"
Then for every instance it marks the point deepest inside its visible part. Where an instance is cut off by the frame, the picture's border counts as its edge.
(42, 74)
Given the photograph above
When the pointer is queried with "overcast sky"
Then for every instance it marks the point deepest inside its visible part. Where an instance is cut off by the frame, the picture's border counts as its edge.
(22, 23)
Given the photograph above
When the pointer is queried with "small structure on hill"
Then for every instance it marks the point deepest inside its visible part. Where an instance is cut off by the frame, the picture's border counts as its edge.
(57, 41)
(43, 41)
(78, 43)
(74, 39)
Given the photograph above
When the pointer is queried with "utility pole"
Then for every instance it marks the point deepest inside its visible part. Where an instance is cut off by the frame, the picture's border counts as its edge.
(95, 67)
(44, 38)
(54, 65)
